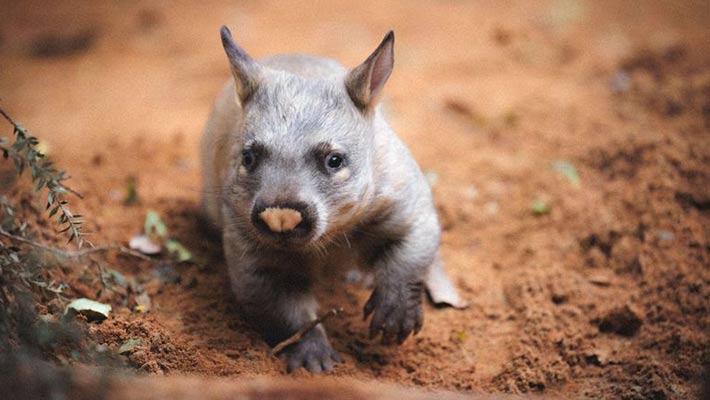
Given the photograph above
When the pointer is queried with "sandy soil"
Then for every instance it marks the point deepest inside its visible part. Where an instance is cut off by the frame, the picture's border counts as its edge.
(607, 295)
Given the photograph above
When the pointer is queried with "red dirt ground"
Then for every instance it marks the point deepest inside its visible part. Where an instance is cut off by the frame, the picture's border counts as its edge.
(605, 296)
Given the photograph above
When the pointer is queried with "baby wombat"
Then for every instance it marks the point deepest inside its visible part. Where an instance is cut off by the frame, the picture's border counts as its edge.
(301, 171)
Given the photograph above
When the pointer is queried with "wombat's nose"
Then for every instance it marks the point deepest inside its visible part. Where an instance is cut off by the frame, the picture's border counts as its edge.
(284, 219)
(280, 219)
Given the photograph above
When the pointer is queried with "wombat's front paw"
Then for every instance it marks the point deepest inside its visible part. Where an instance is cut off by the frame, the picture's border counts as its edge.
(398, 311)
(312, 352)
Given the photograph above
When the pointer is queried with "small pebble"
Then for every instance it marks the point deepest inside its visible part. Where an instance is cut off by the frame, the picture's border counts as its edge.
(491, 208)
(470, 192)
(622, 321)
(665, 236)
(143, 244)
(600, 280)
(620, 82)
(143, 303)
(115, 195)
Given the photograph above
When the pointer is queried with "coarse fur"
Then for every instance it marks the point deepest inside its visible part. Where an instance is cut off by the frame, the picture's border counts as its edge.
(288, 114)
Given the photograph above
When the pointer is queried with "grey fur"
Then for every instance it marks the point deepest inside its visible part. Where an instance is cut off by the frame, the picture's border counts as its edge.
(380, 204)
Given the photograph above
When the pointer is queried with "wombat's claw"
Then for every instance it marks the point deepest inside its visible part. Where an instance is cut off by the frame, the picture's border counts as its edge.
(312, 352)
(397, 313)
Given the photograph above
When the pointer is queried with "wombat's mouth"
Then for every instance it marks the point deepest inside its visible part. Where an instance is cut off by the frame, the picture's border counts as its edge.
(297, 238)
(284, 225)
(303, 230)
(292, 242)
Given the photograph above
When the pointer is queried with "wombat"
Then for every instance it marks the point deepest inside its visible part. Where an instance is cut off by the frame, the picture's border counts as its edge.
(301, 171)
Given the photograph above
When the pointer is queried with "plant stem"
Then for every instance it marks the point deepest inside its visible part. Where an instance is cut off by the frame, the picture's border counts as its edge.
(7, 117)
(75, 253)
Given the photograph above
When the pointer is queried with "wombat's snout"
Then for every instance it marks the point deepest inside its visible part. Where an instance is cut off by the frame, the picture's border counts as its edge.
(283, 220)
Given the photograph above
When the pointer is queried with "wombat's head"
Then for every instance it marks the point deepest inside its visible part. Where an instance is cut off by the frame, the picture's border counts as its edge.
(305, 167)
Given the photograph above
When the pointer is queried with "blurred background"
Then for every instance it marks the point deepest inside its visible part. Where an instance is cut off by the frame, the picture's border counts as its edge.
(116, 69)
(566, 142)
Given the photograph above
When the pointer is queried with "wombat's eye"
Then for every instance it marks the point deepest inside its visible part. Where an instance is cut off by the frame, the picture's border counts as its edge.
(248, 158)
(334, 161)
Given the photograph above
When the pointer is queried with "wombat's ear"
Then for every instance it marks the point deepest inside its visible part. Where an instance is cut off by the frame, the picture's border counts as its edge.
(365, 82)
(244, 68)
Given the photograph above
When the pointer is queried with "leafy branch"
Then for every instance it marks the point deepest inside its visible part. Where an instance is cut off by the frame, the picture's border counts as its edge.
(24, 154)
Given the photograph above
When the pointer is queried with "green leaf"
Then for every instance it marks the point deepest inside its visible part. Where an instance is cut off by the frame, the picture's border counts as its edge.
(129, 345)
(459, 336)
(39, 185)
(568, 171)
(154, 226)
(540, 207)
(92, 310)
(177, 250)
(117, 277)
(20, 165)
(131, 193)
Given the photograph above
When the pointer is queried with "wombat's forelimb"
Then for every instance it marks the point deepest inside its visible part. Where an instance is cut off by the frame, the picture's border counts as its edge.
(400, 262)
(273, 293)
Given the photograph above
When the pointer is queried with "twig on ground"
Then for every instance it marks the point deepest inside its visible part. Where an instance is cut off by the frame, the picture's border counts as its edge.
(75, 253)
(304, 329)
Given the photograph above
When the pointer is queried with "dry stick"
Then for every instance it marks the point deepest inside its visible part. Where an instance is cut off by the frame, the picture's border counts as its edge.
(7, 117)
(304, 329)
(75, 253)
